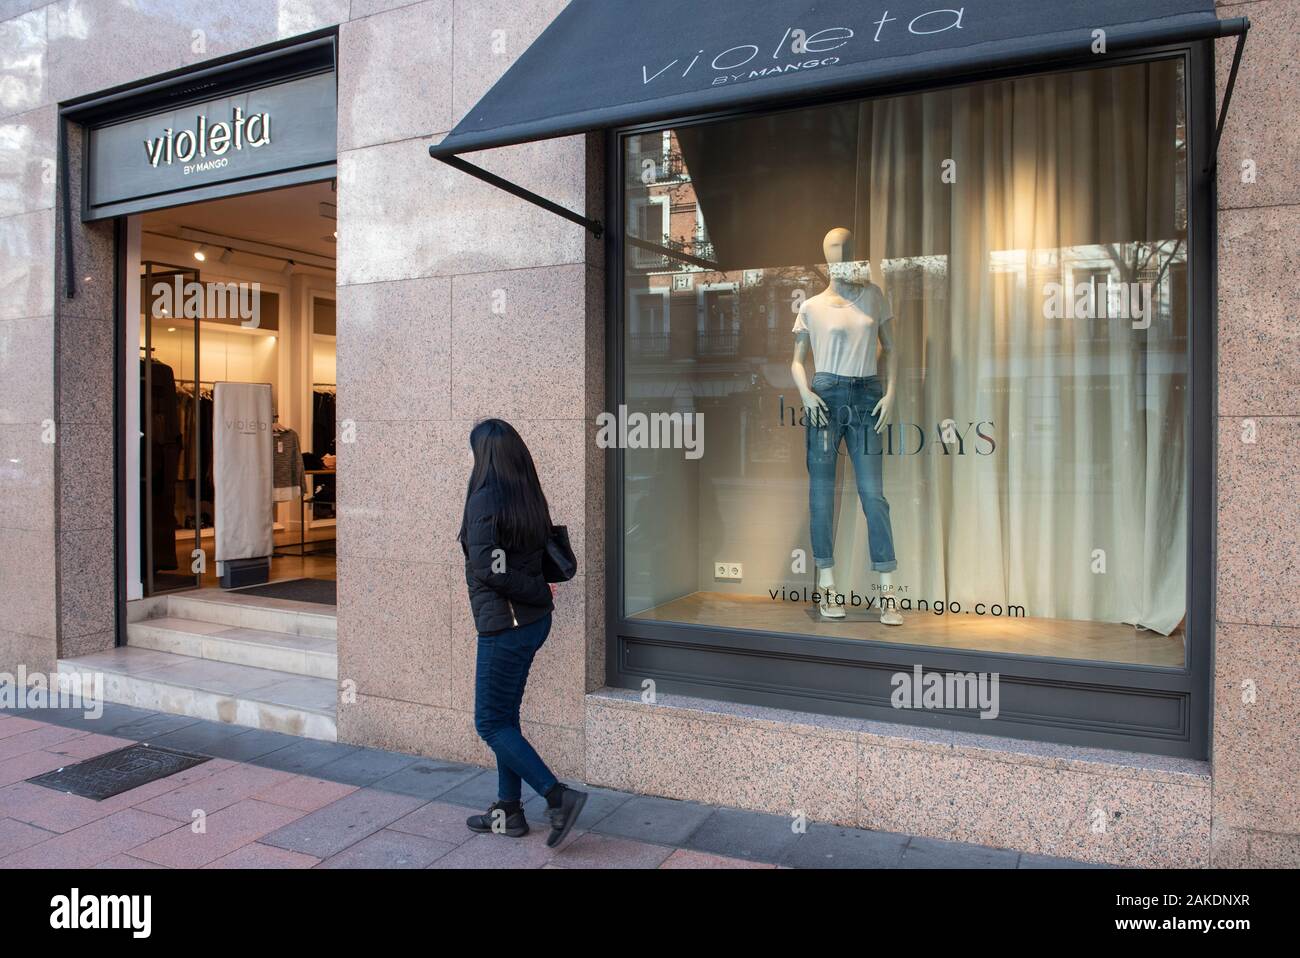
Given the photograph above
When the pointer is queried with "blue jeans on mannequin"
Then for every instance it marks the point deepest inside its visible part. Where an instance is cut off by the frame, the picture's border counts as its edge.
(502, 672)
(849, 401)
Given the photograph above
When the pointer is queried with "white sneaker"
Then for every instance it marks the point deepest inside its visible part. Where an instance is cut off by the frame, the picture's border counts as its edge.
(830, 608)
(891, 617)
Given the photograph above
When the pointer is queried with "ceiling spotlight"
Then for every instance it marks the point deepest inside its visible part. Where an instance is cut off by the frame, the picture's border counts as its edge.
(288, 267)
(200, 254)
(226, 254)
(171, 329)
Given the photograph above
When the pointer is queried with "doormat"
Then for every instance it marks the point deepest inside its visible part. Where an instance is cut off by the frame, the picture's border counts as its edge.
(320, 591)
(115, 772)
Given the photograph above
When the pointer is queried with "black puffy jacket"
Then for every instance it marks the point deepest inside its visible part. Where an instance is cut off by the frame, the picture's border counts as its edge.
(506, 588)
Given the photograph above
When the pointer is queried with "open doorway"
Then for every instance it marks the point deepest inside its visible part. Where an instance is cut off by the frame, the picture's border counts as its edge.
(234, 291)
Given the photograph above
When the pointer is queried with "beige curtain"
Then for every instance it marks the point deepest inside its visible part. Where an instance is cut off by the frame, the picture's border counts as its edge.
(1080, 511)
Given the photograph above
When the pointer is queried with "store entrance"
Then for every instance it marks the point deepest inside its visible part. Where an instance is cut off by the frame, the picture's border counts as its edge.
(236, 291)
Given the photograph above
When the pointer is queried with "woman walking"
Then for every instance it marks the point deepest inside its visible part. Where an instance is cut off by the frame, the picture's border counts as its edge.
(504, 534)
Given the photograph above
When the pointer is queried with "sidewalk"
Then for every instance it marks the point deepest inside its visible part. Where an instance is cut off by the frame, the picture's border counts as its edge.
(276, 801)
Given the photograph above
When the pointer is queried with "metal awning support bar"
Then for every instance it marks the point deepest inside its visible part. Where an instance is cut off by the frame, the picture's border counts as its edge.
(514, 189)
(1227, 90)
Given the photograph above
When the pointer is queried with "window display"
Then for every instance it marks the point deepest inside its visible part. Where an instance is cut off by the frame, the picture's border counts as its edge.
(937, 349)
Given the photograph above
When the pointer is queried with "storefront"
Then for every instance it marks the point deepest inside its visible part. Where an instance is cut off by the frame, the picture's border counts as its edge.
(233, 296)
(1008, 590)
(1020, 214)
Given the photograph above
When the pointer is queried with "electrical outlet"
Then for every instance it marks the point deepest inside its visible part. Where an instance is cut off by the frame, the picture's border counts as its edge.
(728, 570)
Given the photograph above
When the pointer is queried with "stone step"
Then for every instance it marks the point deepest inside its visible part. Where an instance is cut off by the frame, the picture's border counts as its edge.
(297, 654)
(249, 612)
(216, 691)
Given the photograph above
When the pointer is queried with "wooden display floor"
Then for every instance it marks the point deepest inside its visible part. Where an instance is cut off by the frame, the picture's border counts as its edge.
(1056, 638)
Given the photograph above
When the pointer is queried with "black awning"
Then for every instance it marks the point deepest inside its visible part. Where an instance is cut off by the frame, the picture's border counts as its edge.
(605, 63)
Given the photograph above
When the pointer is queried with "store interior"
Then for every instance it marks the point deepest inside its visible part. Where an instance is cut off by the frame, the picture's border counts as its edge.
(270, 257)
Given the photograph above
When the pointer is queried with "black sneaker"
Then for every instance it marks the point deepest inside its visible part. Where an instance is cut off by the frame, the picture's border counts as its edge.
(497, 819)
(563, 817)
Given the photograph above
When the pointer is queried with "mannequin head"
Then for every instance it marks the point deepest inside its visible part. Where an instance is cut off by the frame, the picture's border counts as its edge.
(838, 246)
(841, 260)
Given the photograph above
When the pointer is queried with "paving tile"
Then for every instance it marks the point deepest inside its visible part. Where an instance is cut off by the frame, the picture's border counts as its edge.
(365, 766)
(249, 745)
(304, 755)
(737, 833)
(479, 791)
(16, 835)
(329, 830)
(437, 820)
(215, 792)
(35, 739)
(607, 851)
(935, 853)
(127, 861)
(601, 802)
(92, 843)
(152, 725)
(13, 724)
(661, 820)
(427, 779)
(1047, 861)
(28, 765)
(502, 851)
(225, 831)
(88, 746)
(685, 858)
(203, 736)
(65, 718)
(389, 849)
(304, 792)
(257, 855)
(48, 809)
(117, 715)
(829, 846)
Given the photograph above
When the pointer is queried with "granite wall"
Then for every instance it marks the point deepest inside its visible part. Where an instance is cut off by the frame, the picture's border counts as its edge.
(1256, 757)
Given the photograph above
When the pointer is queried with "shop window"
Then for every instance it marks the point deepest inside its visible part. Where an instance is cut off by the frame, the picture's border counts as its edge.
(1004, 265)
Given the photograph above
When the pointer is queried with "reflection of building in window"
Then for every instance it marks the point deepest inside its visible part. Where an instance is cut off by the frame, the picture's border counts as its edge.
(719, 320)
(649, 332)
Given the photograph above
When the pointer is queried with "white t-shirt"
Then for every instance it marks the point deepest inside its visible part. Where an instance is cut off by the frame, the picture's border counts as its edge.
(844, 333)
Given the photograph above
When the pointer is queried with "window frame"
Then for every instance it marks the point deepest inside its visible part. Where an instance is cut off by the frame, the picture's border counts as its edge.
(1152, 709)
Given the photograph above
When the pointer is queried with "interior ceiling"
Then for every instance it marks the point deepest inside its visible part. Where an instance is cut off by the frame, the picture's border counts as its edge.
(287, 217)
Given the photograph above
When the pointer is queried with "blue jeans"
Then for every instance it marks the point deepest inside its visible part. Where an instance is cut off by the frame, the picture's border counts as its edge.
(849, 401)
(503, 663)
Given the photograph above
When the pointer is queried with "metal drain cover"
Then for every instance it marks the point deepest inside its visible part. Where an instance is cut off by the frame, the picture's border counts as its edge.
(110, 774)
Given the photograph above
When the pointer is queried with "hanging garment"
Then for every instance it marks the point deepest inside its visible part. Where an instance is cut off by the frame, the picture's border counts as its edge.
(164, 429)
(242, 465)
(287, 473)
(322, 422)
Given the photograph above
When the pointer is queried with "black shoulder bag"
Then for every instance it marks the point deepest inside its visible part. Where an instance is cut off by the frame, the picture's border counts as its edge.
(559, 564)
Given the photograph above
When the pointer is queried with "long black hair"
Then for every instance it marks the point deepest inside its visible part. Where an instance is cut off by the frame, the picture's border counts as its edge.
(503, 465)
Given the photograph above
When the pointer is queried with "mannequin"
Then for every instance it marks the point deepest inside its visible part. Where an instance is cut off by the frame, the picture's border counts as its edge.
(847, 329)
